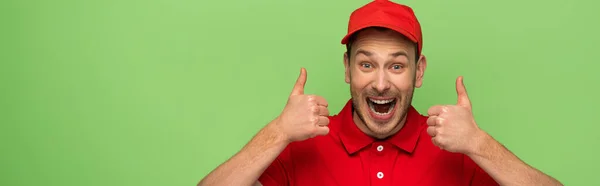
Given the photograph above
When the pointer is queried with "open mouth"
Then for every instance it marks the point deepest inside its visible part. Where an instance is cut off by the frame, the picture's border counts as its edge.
(381, 107)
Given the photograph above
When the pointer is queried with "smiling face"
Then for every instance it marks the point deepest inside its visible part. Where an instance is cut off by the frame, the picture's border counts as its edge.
(382, 71)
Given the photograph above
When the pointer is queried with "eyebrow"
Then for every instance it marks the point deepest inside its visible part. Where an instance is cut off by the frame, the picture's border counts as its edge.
(364, 52)
(368, 54)
(399, 53)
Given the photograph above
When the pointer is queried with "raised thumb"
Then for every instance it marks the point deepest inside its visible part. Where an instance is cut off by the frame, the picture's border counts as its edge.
(299, 86)
(461, 91)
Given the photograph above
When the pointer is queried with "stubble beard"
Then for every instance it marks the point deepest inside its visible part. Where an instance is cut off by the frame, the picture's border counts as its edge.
(404, 101)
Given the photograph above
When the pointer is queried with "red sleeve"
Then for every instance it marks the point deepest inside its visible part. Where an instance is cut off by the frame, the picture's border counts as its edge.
(278, 173)
(481, 178)
(478, 177)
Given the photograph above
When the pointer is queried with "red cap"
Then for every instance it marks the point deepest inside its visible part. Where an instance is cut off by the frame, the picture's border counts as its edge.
(384, 13)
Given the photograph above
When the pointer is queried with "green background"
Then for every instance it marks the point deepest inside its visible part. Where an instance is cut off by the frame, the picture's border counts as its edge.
(160, 92)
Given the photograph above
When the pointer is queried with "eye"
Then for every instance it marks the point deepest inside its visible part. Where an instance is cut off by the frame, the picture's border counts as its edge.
(396, 67)
(366, 65)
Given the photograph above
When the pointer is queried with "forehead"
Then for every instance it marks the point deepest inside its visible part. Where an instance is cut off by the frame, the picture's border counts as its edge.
(381, 38)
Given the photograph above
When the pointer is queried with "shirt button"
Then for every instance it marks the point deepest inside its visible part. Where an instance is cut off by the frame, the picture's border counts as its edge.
(380, 175)
(380, 148)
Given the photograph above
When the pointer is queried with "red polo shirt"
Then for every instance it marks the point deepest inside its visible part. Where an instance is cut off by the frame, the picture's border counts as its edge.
(347, 156)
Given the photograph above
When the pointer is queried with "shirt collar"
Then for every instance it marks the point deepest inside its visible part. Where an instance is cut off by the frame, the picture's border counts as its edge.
(354, 139)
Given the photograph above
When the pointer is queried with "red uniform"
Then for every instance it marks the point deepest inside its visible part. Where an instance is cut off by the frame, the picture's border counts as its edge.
(347, 156)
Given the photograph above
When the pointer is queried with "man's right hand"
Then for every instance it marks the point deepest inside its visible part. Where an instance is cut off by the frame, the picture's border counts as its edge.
(304, 116)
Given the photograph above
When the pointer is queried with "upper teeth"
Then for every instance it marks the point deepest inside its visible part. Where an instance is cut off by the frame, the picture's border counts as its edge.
(381, 101)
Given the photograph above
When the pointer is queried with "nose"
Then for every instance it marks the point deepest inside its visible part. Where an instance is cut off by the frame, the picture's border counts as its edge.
(381, 83)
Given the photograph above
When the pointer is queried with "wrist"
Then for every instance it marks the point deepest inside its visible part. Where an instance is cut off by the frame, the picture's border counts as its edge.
(481, 140)
(277, 133)
(268, 140)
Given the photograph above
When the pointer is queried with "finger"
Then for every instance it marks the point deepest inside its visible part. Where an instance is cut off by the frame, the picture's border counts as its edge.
(432, 120)
(436, 142)
(322, 130)
(461, 91)
(435, 110)
(323, 121)
(323, 111)
(435, 121)
(432, 131)
(321, 101)
(300, 82)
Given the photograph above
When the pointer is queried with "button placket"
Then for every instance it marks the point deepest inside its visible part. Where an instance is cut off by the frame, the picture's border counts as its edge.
(379, 162)
(382, 166)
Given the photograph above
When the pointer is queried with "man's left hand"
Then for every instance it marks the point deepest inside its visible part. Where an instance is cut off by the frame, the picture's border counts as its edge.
(452, 127)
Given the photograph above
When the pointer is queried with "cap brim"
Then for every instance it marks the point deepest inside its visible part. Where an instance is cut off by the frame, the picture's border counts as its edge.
(399, 30)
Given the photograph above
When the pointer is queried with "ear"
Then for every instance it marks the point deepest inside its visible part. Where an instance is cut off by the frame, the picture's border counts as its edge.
(421, 65)
(347, 67)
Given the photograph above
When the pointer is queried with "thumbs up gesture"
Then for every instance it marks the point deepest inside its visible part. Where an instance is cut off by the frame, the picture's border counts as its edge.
(452, 127)
(304, 116)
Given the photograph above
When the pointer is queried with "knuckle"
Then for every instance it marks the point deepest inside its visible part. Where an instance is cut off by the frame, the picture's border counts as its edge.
(440, 121)
(445, 108)
(313, 120)
(314, 109)
(311, 98)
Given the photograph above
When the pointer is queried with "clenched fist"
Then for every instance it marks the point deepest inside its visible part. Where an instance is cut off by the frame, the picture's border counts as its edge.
(452, 127)
(304, 116)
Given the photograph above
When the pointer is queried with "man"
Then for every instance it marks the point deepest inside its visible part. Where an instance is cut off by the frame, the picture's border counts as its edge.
(378, 138)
